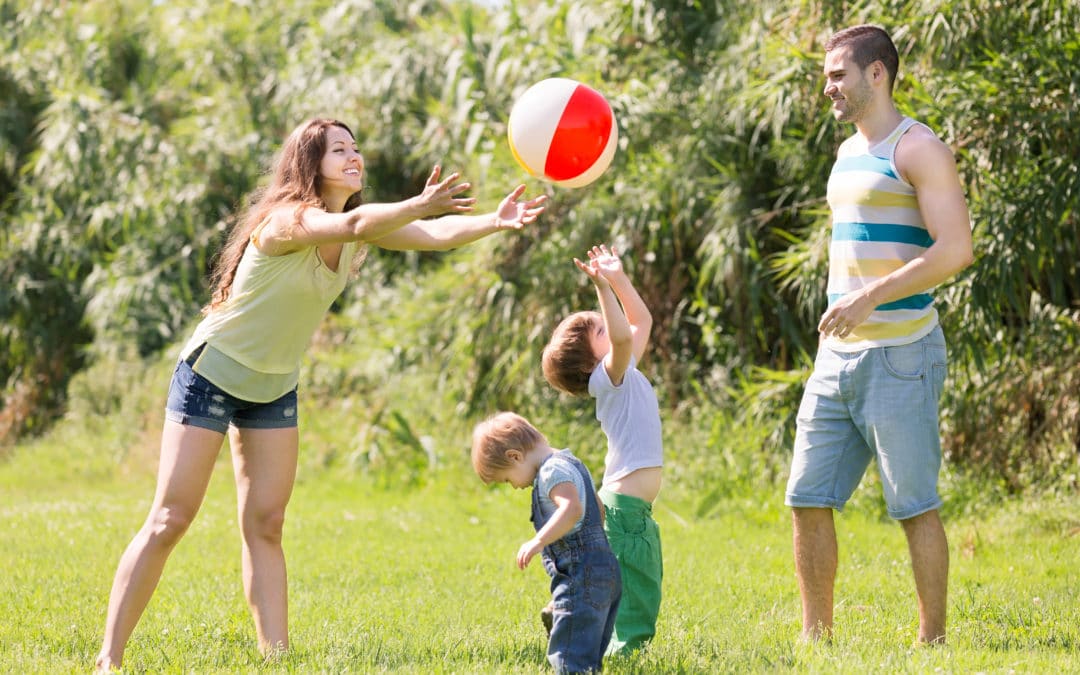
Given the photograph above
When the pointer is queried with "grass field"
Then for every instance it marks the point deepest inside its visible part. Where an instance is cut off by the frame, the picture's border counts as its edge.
(422, 580)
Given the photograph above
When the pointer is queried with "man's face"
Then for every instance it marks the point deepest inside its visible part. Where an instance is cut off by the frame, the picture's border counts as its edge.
(846, 85)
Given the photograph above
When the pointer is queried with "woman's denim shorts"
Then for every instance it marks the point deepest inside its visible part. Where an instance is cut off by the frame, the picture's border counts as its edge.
(196, 401)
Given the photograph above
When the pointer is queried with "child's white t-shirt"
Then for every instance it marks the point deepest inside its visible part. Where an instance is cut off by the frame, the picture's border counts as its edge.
(630, 417)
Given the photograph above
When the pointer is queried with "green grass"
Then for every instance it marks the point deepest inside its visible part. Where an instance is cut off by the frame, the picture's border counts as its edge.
(397, 567)
(422, 580)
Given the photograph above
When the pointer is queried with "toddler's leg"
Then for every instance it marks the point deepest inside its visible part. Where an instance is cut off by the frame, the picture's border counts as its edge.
(575, 638)
(580, 620)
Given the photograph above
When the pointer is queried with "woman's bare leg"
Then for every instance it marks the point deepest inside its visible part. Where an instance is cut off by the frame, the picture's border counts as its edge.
(264, 464)
(184, 469)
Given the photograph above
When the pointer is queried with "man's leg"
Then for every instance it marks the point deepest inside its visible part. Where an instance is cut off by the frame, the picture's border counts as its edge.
(930, 561)
(815, 567)
(829, 459)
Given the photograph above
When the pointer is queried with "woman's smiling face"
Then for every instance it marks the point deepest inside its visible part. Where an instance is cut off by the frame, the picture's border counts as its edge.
(342, 165)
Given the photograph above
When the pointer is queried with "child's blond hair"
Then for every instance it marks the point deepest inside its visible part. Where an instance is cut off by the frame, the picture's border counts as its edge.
(496, 436)
(568, 359)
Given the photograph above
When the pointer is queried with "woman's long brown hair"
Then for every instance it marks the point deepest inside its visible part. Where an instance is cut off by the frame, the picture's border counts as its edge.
(295, 180)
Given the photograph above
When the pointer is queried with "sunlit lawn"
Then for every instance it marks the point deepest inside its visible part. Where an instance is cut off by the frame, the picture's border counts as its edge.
(423, 580)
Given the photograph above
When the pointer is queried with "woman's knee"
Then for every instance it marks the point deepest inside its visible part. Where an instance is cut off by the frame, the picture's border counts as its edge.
(167, 524)
(265, 525)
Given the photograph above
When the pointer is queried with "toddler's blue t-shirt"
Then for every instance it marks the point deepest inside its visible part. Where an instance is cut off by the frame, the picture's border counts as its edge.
(557, 469)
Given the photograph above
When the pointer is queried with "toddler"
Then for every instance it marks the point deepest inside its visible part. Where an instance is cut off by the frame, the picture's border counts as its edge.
(566, 513)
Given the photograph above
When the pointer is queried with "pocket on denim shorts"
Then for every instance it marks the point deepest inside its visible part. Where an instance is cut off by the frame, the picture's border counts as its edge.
(906, 362)
(193, 395)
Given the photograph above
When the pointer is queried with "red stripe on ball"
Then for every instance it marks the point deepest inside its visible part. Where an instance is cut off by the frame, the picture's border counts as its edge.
(581, 135)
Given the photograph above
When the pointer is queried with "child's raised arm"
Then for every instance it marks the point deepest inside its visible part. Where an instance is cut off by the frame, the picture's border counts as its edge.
(629, 310)
(620, 334)
(637, 312)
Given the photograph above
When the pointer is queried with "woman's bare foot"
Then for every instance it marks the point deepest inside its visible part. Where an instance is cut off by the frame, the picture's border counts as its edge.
(274, 653)
(104, 665)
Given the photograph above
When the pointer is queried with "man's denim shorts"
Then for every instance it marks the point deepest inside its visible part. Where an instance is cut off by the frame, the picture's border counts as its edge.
(196, 401)
(879, 403)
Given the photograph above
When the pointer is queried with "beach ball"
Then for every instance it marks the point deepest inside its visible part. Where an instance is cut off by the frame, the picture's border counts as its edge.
(563, 131)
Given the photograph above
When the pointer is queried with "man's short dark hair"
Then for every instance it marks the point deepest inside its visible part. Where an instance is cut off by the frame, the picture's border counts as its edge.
(868, 44)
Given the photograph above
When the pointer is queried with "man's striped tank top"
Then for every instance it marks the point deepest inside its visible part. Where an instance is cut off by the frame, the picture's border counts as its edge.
(876, 229)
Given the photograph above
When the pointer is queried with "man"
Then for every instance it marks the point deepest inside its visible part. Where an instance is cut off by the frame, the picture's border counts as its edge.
(900, 227)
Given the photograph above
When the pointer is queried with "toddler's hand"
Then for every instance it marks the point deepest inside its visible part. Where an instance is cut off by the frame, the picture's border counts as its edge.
(602, 266)
(527, 551)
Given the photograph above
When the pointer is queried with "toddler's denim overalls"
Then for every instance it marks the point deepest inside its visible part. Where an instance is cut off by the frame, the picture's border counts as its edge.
(585, 587)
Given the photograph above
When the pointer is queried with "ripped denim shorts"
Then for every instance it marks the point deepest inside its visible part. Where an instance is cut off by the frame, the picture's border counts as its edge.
(196, 401)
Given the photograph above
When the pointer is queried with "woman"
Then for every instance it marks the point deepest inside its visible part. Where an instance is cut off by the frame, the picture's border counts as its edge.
(284, 264)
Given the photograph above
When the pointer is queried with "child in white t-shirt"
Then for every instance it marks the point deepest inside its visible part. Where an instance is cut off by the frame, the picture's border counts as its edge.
(596, 354)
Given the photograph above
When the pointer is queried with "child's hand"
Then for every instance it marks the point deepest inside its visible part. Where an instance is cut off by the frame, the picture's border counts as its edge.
(527, 551)
(605, 262)
(594, 274)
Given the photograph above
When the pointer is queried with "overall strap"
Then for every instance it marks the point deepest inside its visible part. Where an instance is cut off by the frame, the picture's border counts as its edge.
(536, 515)
(592, 508)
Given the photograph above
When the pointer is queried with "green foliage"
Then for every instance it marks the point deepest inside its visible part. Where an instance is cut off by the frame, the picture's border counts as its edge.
(131, 132)
(1018, 418)
(1008, 110)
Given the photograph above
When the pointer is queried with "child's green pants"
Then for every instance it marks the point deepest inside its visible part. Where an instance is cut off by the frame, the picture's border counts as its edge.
(635, 540)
